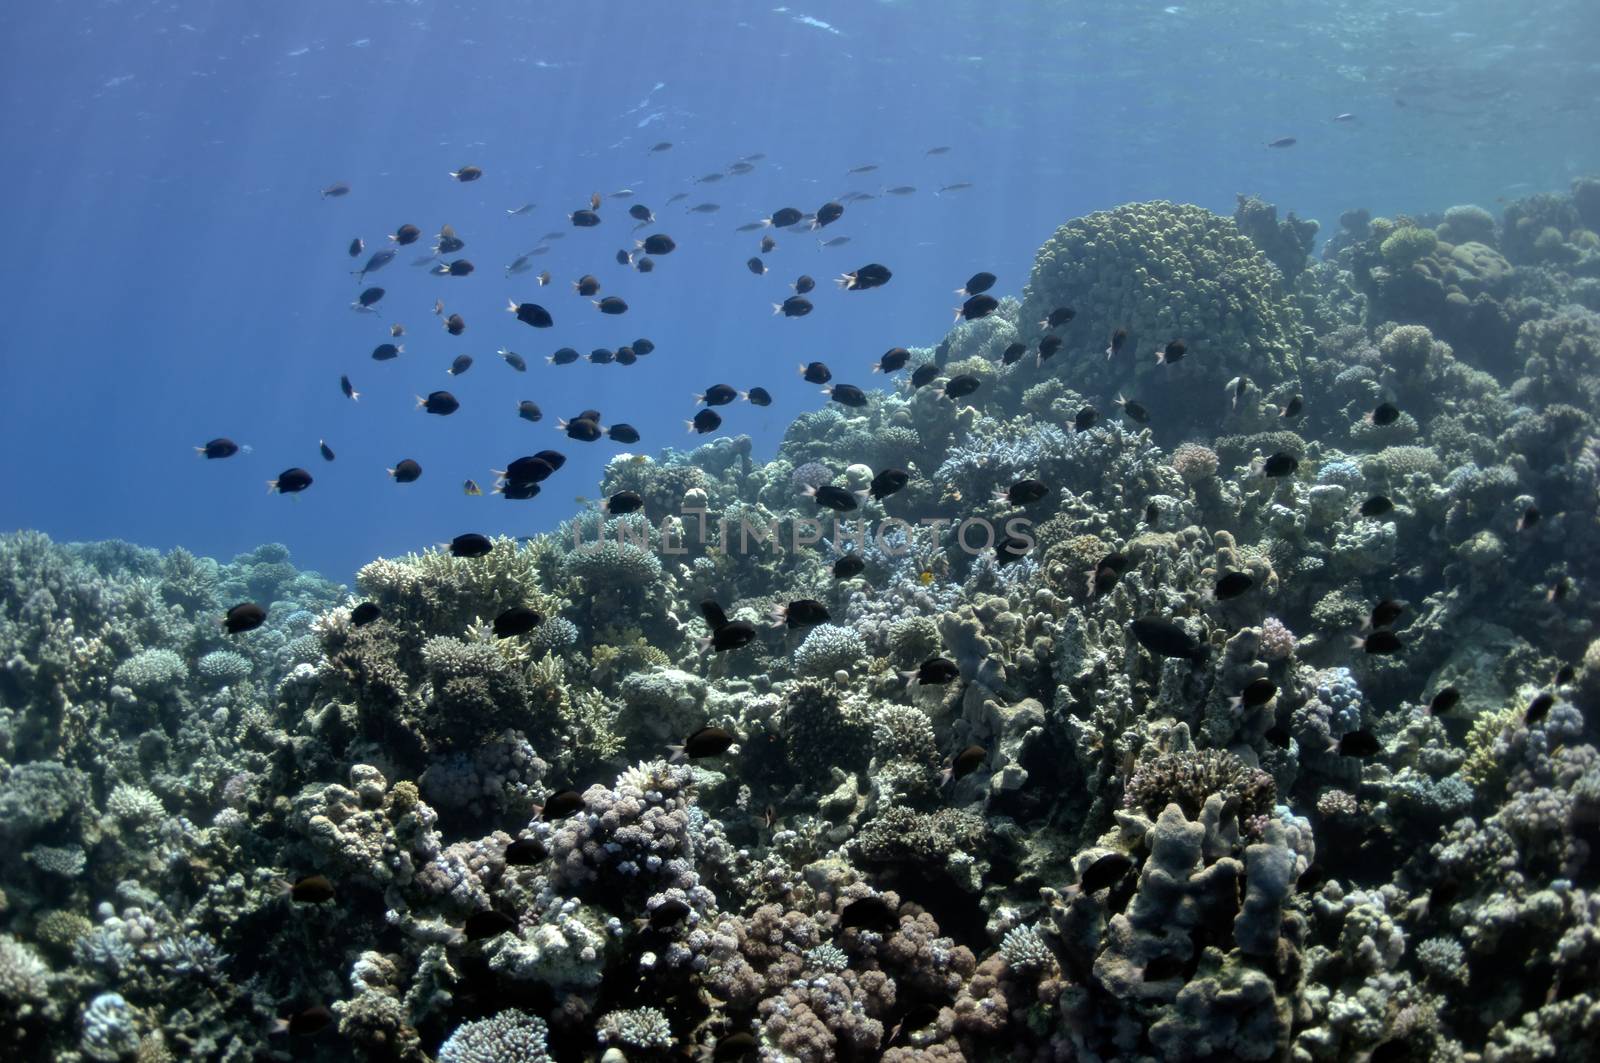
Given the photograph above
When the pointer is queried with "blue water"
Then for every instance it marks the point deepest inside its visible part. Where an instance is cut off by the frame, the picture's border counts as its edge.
(174, 275)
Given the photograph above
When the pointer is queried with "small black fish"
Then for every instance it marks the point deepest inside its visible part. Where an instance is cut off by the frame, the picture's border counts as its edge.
(517, 491)
(1118, 338)
(1443, 701)
(871, 275)
(1539, 707)
(1386, 612)
(658, 244)
(1166, 639)
(378, 260)
(827, 214)
(965, 763)
(756, 266)
(307, 1023)
(717, 395)
(406, 471)
(665, 145)
(1297, 403)
(849, 567)
(1105, 872)
(961, 386)
(1048, 346)
(312, 889)
(901, 190)
(846, 395)
(835, 498)
(1011, 548)
(470, 544)
(815, 373)
(459, 268)
(642, 347)
(1565, 675)
(439, 402)
(384, 352)
(1376, 506)
(1152, 514)
(803, 612)
(645, 264)
(1085, 419)
(1058, 317)
(803, 284)
(335, 190)
(459, 364)
(937, 671)
(583, 429)
(368, 298)
(525, 851)
(1023, 492)
(1013, 353)
(783, 218)
(757, 397)
(1257, 693)
(364, 614)
(564, 356)
(586, 285)
(869, 913)
(892, 360)
(1280, 464)
(1282, 142)
(584, 219)
(483, 925)
(467, 173)
(531, 314)
(1529, 518)
(623, 433)
(561, 805)
(977, 284)
(1386, 413)
(924, 374)
(1133, 410)
(1172, 352)
(888, 482)
(448, 243)
(611, 305)
(715, 741)
(669, 913)
(978, 306)
(1379, 642)
(640, 212)
(290, 481)
(707, 420)
(246, 616)
(406, 234)
(1359, 744)
(794, 306)
(518, 620)
(1232, 585)
(455, 324)
(221, 447)
(623, 502)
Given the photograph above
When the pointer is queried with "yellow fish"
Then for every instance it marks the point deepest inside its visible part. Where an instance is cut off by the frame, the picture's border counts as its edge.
(925, 577)
(471, 488)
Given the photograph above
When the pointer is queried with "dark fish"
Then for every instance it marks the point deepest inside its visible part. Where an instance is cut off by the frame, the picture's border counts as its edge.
(439, 402)
(1385, 613)
(626, 356)
(783, 218)
(803, 284)
(1152, 513)
(611, 305)
(397, 329)
(623, 502)
(378, 260)
(1529, 518)
(1172, 352)
(803, 612)
(364, 614)
(1386, 413)
(513, 359)
(1105, 872)
(1539, 707)
(714, 614)
(525, 851)
(658, 244)
(1281, 142)
(794, 306)
(1565, 675)
(1048, 346)
(406, 471)
(938, 672)
(1058, 317)
(862, 169)
(704, 208)
(517, 492)
(960, 386)
(979, 306)
(1013, 353)
(1358, 744)
(383, 352)
(553, 458)
(312, 889)
(1443, 701)
(246, 616)
(369, 297)
(483, 925)
(1118, 338)
(531, 314)
(356, 247)
(767, 244)
(584, 219)
(1280, 464)
(640, 212)
(707, 420)
(460, 364)
(1134, 410)
(335, 190)
(977, 284)
(738, 168)
(447, 242)
(888, 482)
(221, 447)
(455, 324)
(871, 275)
(756, 266)
(966, 762)
(900, 190)
(624, 258)
(717, 395)
(849, 567)
(957, 187)
(815, 373)
(518, 620)
(470, 544)
(645, 265)
(757, 397)
(583, 429)
(1023, 492)
(715, 741)
(1376, 506)
(676, 197)
(1011, 548)
(563, 356)
(1232, 585)
(1257, 693)
(642, 347)
(846, 395)
(937, 151)
(665, 145)
(308, 1023)
(622, 433)
(406, 234)
(827, 214)
(1379, 642)
(669, 913)
(1296, 404)
(751, 226)
(869, 913)
(467, 173)
(586, 285)
(470, 487)
(835, 498)
(1085, 419)
(1164, 638)
(924, 374)
(290, 481)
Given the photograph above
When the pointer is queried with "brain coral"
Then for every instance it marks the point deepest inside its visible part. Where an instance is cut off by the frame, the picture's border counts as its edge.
(1162, 271)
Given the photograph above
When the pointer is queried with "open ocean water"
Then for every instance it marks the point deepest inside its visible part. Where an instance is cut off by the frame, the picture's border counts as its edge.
(907, 529)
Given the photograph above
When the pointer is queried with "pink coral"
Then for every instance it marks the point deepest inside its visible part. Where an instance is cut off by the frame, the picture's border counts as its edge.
(1277, 641)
